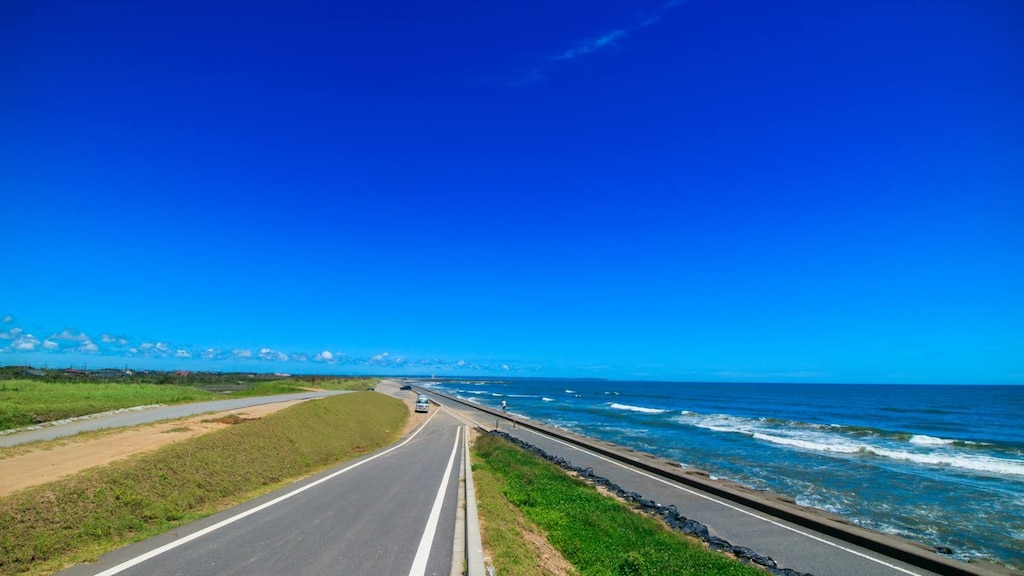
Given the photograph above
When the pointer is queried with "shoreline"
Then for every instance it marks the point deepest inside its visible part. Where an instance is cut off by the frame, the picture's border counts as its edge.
(783, 507)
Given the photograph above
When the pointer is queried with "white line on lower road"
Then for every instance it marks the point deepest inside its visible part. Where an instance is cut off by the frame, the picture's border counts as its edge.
(196, 535)
(419, 564)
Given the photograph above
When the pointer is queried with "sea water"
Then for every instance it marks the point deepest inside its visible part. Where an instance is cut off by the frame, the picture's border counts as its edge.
(941, 465)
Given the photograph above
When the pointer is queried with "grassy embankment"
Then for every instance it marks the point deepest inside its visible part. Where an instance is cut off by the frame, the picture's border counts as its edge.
(599, 535)
(73, 520)
(29, 402)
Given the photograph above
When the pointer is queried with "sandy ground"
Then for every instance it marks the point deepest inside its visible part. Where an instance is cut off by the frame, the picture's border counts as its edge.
(41, 462)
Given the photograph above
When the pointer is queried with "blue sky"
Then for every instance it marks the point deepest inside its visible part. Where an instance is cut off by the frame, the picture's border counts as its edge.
(785, 191)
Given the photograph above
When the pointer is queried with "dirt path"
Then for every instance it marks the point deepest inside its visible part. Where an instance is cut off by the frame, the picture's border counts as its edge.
(41, 462)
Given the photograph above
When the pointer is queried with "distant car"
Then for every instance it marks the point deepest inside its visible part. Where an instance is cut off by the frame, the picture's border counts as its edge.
(422, 404)
(406, 387)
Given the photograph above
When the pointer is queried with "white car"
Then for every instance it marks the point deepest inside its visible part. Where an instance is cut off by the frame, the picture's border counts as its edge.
(422, 404)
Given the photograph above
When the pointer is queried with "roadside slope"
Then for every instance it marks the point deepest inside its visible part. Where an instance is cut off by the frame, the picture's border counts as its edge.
(75, 519)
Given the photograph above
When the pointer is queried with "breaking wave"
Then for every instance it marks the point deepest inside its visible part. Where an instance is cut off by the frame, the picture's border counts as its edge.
(627, 407)
(918, 449)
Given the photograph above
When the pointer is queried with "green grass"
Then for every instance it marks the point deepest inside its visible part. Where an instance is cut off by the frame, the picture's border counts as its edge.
(504, 527)
(76, 519)
(28, 402)
(599, 535)
(288, 386)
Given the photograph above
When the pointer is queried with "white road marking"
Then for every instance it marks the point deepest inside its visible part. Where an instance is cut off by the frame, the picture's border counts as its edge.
(419, 564)
(196, 535)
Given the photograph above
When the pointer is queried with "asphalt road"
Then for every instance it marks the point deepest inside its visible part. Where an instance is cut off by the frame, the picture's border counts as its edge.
(791, 546)
(392, 512)
(134, 417)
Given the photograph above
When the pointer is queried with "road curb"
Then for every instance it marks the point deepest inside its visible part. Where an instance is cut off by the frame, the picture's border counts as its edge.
(474, 544)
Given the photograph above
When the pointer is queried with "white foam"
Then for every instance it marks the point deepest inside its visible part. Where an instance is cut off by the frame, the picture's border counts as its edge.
(838, 447)
(546, 399)
(973, 463)
(570, 391)
(952, 459)
(618, 406)
(925, 440)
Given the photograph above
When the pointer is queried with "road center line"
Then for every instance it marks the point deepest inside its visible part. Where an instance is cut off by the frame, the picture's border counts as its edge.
(419, 564)
(196, 535)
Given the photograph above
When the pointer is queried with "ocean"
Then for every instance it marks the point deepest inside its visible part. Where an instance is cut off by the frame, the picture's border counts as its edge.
(941, 465)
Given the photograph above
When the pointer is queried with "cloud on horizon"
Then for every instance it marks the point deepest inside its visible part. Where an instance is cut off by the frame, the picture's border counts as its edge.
(70, 342)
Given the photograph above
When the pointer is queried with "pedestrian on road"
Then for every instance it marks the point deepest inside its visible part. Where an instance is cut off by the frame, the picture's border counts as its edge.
(503, 406)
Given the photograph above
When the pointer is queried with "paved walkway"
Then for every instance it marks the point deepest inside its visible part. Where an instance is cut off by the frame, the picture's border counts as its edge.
(146, 415)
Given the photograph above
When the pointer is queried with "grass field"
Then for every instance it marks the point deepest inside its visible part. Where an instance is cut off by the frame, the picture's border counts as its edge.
(46, 527)
(28, 402)
(599, 535)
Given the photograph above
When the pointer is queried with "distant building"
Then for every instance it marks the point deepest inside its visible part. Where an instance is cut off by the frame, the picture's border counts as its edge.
(107, 374)
(33, 372)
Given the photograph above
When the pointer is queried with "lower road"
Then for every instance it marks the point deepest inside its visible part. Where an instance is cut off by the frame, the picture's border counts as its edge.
(391, 512)
(791, 545)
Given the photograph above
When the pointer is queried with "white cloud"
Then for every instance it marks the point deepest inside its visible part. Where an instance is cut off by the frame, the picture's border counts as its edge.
(182, 353)
(146, 346)
(460, 363)
(269, 354)
(8, 319)
(504, 367)
(591, 46)
(11, 335)
(325, 356)
(71, 335)
(615, 36)
(50, 344)
(111, 339)
(162, 347)
(241, 354)
(299, 357)
(26, 343)
(211, 353)
(88, 346)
